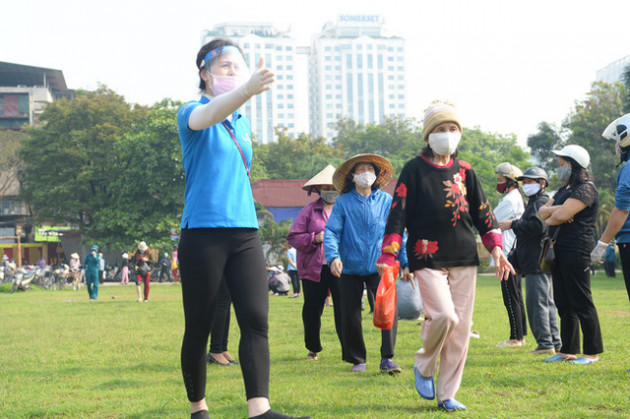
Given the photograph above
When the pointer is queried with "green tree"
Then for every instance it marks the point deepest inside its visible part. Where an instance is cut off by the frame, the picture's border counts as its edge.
(109, 167)
(10, 162)
(625, 78)
(542, 143)
(586, 122)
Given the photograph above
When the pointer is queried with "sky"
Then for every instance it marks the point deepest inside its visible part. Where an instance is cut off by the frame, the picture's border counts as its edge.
(507, 65)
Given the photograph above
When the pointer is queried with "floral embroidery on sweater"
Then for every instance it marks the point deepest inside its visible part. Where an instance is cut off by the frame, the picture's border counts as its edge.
(456, 195)
(425, 248)
(489, 218)
(400, 195)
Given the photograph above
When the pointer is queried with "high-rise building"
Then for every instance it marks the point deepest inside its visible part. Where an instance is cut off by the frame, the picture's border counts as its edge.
(614, 71)
(356, 70)
(276, 107)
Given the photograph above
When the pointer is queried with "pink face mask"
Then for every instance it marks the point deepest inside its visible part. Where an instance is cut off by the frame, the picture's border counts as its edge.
(225, 84)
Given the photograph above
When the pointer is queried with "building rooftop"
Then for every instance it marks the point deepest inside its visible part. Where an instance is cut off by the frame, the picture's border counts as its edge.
(25, 75)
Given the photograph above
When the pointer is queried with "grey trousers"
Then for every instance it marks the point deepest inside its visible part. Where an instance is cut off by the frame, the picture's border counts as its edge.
(541, 310)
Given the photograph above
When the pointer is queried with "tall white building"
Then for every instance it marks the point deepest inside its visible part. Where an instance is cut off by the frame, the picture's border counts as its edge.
(356, 70)
(613, 72)
(276, 107)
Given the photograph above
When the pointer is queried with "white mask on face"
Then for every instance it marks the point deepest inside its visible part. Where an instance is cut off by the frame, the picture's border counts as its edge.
(224, 84)
(531, 189)
(364, 180)
(444, 143)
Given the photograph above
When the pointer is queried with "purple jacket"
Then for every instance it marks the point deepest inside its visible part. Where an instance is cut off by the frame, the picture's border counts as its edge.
(310, 255)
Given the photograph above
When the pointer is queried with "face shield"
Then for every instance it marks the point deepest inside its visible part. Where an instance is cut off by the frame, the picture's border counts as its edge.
(227, 69)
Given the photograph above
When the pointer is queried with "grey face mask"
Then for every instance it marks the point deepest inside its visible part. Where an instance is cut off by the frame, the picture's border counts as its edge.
(330, 196)
(564, 173)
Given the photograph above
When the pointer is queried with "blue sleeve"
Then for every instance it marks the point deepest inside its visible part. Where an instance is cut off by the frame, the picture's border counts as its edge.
(184, 114)
(402, 255)
(622, 194)
(333, 232)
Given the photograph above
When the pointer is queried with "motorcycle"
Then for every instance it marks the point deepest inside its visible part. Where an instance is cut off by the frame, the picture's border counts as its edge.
(22, 279)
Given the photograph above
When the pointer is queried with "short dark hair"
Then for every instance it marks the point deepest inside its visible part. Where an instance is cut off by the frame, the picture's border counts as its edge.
(214, 44)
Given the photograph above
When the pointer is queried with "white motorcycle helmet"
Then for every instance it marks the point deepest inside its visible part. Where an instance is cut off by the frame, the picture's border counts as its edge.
(619, 131)
(576, 152)
(508, 171)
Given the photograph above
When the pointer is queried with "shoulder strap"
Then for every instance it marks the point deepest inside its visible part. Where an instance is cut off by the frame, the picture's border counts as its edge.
(239, 149)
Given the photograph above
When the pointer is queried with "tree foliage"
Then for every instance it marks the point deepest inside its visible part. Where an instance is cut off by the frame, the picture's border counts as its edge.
(541, 145)
(10, 162)
(106, 166)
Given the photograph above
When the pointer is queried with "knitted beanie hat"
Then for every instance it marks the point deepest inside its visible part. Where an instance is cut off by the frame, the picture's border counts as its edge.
(437, 113)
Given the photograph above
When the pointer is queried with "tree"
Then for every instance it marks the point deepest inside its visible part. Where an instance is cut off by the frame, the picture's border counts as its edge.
(111, 168)
(586, 122)
(10, 163)
(542, 143)
(625, 78)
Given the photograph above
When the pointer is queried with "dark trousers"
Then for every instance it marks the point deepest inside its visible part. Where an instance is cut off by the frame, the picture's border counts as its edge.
(295, 281)
(513, 301)
(572, 294)
(351, 289)
(221, 323)
(315, 294)
(624, 254)
(205, 256)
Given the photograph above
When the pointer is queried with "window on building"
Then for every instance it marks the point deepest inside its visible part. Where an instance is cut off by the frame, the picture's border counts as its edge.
(370, 63)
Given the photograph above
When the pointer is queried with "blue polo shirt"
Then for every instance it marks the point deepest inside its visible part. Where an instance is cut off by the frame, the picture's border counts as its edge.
(622, 201)
(218, 191)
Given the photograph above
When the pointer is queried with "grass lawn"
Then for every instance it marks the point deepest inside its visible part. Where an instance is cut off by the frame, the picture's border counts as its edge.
(62, 355)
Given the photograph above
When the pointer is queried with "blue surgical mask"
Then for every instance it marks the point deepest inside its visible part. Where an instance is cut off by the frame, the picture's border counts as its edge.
(564, 173)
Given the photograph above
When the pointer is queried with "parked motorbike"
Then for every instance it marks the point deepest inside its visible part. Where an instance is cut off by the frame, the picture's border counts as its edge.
(22, 279)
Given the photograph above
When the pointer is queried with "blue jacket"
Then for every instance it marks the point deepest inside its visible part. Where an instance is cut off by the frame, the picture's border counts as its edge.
(354, 232)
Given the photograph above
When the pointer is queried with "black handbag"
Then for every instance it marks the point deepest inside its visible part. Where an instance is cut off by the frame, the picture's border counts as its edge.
(548, 255)
(143, 269)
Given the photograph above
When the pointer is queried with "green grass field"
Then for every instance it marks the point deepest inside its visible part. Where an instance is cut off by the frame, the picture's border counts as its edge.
(62, 355)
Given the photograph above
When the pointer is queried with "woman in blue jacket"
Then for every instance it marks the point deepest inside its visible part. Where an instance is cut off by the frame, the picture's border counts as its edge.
(352, 241)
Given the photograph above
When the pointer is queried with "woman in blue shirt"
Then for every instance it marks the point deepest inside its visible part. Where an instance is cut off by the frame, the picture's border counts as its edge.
(219, 234)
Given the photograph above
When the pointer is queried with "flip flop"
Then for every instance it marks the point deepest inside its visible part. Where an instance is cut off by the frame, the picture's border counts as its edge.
(555, 358)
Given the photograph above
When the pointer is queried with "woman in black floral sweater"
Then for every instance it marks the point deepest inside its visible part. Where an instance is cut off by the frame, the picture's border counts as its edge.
(439, 200)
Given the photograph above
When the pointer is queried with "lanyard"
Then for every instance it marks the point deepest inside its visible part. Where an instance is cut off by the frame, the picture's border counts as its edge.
(239, 149)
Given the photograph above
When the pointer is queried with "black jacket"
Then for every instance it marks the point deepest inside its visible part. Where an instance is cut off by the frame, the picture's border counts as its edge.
(530, 233)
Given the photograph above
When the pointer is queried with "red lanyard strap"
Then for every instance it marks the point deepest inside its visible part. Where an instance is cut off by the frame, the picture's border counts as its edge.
(239, 149)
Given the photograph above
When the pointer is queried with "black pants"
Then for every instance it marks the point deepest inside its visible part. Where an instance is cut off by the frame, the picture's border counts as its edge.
(221, 323)
(624, 254)
(513, 301)
(205, 256)
(295, 281)
(572, 294)
(351, 289)
(315, 294)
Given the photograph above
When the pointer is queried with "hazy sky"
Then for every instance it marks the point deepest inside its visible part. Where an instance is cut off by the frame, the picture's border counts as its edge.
(507, 65)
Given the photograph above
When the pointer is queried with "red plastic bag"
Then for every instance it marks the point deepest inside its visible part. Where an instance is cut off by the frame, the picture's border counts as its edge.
(385, 302)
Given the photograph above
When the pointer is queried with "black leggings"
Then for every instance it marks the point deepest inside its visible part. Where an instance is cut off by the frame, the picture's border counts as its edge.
(295, 281)
(205, 256)
(513, 301)
(221, 324)
(624, 255)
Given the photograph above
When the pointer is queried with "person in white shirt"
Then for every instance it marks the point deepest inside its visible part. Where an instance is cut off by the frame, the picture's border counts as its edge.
(511, 207)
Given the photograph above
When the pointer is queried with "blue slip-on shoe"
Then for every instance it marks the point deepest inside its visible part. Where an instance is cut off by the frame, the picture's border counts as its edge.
(555, 358)
(424, 385)
(582, 361)
(451, 405)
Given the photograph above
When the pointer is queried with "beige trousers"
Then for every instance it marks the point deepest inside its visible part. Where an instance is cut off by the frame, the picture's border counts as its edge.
(448, 297)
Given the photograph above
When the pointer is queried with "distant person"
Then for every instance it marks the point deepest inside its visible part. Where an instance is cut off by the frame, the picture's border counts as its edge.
(572, 213)
(165, 268)
(292, 270)
(124, 275)
(174, 265)
(510, 208)
(41, 263)
(218, 353)
(142, 263)
(75, 270)
(352, 240)
(101, 267)
(609, 260)
(91, 265)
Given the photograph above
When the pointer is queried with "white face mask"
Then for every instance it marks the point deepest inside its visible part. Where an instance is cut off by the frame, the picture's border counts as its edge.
(531, 189)
(364, 180)
(444, 143)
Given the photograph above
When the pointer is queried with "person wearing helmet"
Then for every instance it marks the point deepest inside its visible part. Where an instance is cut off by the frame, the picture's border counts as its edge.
(165, 268)
(511, 208)
(531, 232)
(618, 224)
(572, 214)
